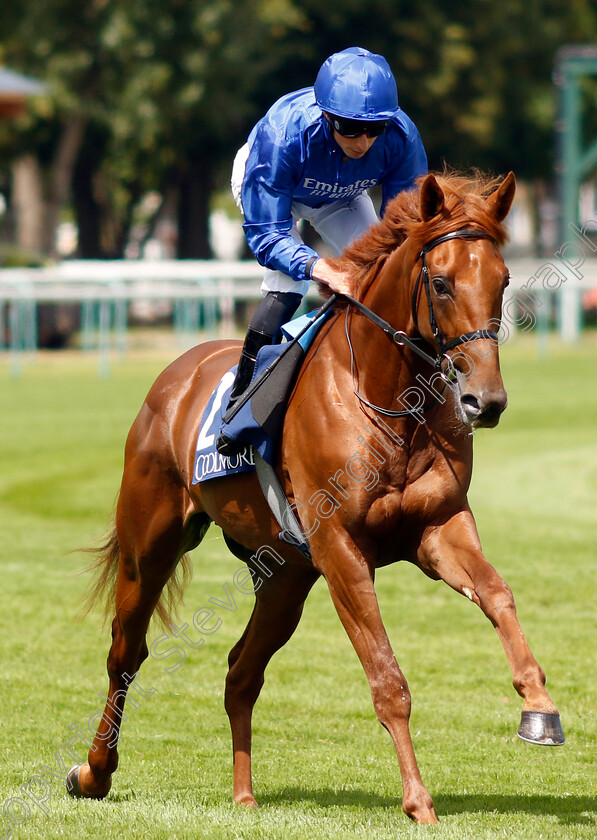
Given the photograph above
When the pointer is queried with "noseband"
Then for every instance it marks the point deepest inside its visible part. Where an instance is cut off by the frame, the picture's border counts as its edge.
(400, 337)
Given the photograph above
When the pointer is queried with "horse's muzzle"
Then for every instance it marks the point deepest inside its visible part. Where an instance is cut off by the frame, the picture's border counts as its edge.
(483, 411)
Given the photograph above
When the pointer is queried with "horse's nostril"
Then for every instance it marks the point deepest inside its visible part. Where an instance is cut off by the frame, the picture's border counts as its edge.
(481, 412)
(491, 414)
(470, 403)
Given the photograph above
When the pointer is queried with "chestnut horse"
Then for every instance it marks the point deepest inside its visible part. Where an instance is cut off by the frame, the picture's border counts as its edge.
(376, 460)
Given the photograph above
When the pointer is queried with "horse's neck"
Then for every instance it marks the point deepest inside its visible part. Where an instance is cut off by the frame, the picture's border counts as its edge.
(384, 370)
(359, 356)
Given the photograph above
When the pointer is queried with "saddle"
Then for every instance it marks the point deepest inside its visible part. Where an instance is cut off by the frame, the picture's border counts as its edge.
(257, 420)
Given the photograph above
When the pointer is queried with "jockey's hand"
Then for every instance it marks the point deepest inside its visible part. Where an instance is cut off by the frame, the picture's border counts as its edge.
(337, 281)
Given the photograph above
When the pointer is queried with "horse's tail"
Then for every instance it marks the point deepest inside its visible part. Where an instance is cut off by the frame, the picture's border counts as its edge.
(102, 588)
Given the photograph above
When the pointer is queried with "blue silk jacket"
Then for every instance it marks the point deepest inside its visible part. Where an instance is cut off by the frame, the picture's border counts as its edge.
(294, 157)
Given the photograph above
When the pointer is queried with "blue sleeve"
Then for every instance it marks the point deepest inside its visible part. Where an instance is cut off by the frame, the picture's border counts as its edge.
(271, 175)
(409, 160)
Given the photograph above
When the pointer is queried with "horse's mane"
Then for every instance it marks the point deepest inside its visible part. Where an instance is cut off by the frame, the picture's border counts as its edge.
(465, 206)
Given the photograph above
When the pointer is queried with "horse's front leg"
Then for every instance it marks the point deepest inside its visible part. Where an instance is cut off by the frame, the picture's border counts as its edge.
(350, 583)
(453, 552)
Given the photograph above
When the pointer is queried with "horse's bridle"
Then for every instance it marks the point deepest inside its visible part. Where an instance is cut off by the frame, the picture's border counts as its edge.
(401, 338)
(442, 345)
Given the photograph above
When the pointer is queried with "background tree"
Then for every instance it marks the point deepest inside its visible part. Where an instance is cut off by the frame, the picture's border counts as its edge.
(159, 95)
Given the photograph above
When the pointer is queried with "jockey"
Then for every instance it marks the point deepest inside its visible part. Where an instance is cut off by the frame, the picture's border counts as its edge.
(313, 156)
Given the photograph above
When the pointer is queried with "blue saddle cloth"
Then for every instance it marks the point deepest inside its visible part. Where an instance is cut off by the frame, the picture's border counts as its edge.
(258, 423)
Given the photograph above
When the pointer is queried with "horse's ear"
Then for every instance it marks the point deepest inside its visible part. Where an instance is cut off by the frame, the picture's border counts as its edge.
(500, 201)
(431, 198)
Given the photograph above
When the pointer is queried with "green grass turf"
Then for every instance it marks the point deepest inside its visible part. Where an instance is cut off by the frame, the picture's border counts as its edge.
(324, 768)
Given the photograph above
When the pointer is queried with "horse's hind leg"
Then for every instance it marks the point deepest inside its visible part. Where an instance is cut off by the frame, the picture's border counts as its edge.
(453, 552)
(276, 614)
(134, 608)
(150, 547)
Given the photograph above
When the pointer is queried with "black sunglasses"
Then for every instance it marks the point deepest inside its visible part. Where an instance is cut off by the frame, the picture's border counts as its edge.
(356, 128)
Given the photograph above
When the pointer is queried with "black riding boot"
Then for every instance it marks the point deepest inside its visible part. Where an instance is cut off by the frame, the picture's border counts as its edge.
(254, 341)
(274, 310)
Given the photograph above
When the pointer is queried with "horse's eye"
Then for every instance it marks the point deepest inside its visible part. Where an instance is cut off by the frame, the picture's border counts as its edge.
(506, 281)
(440, 286)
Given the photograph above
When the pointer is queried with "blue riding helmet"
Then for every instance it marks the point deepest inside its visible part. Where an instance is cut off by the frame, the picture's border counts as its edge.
(357, 84)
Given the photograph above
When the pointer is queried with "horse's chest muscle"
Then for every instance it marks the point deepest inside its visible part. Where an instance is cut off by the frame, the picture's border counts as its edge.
(431, 487)
(384, 514)
(432, 492)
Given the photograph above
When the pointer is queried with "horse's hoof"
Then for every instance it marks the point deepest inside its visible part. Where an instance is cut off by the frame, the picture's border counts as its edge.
(247, 801)
(427, 818)
(73, 785)
(420, 809)
(541, 728)
(72, 782)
